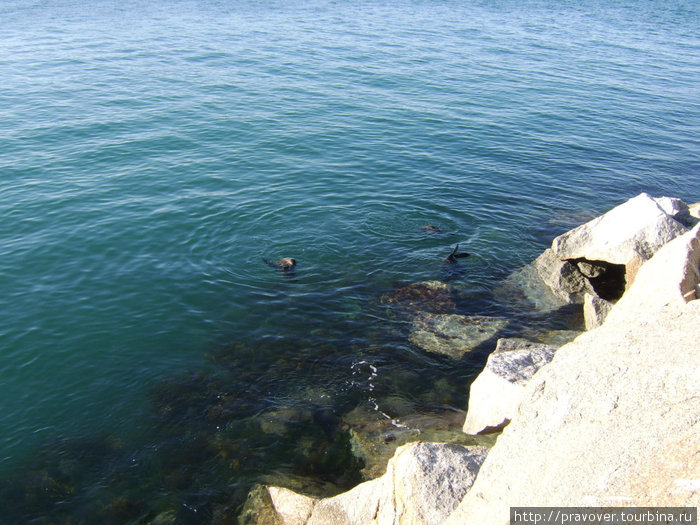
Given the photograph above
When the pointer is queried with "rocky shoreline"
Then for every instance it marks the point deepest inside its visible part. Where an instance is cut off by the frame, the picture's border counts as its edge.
(610, 418)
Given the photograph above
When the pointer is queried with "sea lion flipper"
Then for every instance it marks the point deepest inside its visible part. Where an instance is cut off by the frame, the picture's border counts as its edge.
(452, 258)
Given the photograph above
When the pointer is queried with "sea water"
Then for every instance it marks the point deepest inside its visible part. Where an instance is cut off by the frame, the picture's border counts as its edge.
(152, 154)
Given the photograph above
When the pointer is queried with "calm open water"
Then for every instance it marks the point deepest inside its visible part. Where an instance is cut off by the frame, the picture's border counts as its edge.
(152, 153)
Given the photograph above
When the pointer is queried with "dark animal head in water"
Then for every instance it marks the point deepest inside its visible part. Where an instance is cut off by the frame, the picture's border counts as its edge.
(286, 264)
(430, 228)
(452, 258)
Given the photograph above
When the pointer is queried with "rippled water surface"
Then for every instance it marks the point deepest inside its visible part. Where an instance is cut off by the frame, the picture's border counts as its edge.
(153, 153)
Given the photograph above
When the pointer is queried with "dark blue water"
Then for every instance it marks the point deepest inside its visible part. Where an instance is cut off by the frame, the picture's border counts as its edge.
(153, 153)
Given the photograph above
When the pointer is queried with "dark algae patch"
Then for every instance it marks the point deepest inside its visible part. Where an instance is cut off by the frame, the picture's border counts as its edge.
(207, 449)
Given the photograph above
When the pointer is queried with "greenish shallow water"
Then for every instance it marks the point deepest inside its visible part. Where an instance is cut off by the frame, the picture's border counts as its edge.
(152, 155)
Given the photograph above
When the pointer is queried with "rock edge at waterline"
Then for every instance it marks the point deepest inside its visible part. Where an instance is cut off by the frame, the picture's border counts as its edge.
(495, 394)
(424, 482)
(613, 419)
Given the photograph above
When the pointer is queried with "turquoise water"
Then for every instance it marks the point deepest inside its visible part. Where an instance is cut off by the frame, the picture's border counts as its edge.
(153, 153)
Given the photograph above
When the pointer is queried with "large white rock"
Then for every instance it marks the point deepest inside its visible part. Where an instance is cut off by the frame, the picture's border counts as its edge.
(694, 211)
(423, 484)
(292, 508)
(602, 256)
(636, 228)
(614, 419)
(495, 394)
(270, 505)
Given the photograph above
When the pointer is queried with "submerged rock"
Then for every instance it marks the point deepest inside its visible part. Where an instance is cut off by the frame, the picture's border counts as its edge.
(374, 436)
(495, 394)
(555, 338)
(424, 296)
(454, 335)
(529, 286)
(168, 517)
(279, 421)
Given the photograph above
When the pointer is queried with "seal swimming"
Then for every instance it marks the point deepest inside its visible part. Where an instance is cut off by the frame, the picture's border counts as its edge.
(429, 228)
(452, 258)
(285, 264)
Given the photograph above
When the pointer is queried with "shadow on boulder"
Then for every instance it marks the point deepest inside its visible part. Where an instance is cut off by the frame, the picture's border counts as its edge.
(607, 279)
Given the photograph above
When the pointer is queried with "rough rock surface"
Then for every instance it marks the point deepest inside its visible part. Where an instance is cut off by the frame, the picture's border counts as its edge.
(595, 310)
(452, 334)
(423, 484)
(614, 419)
(495, 394)
(561, 277)
(294, 509)
(526, 287)
(673, 278)
(636, 228)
